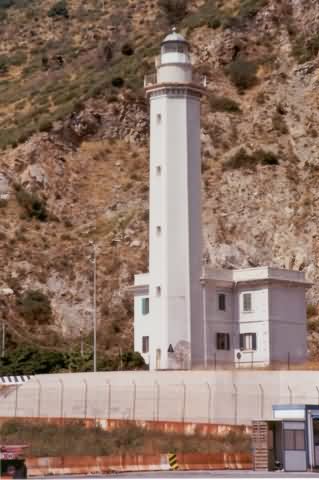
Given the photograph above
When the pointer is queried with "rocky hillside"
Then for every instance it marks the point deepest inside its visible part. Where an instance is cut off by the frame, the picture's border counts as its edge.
(74, 159)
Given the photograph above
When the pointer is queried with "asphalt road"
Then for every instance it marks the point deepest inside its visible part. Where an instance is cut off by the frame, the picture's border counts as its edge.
(209, 474)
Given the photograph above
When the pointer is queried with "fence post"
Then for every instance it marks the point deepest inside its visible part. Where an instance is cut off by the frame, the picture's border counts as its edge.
(209, 416)
(85, 397)
(134, 401)
(262, 401)
(288, 362)
(16, 402)
(156, 401)
(290, 394)
(61, 397)
(39, 394)
(109, 399)
(235, 404)
(184, 402)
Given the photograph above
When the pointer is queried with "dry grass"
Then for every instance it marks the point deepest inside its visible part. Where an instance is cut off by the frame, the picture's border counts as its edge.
(75, 439)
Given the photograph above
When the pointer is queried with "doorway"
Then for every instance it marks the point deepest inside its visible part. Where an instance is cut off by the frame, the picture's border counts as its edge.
(316, 441)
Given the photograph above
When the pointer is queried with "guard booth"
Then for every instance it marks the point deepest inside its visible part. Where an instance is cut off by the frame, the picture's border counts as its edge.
(290, 441)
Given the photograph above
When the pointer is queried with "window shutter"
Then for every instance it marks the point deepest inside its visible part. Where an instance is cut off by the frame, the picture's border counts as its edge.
(227, 342)
(241, 340)
(254, 341)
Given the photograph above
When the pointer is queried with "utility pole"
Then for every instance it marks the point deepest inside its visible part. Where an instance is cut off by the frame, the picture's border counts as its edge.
(94, 303)
(5, 292)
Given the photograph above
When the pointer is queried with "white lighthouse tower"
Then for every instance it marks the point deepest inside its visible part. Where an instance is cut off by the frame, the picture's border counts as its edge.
(168, 326)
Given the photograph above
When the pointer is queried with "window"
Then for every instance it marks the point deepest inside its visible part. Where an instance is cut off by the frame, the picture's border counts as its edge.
(145, 306)
(158, 291)
(222, 341)
(294, 440)
(158, 118)
(145, 344)
(247, 302)
(222, 302)
(248, 341)
(158, 229)
(158, 170)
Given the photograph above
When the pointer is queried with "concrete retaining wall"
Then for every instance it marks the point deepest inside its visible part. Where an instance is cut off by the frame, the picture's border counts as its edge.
(130, 463)
(228, 397)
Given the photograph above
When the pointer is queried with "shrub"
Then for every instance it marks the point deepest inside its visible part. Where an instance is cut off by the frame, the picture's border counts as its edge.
(35, 307)
(175, 10)
(304, 49)
(208, 14)
(32, 204)
(127, 49)
(4, 64)
(59, 9)
(311, 310)
(242, 73)
(223, 104)
(117, 82)
(6, 3)
(242, 159)
(250, 8)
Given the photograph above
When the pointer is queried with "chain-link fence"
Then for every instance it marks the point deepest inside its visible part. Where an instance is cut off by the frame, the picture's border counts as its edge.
(230, 397)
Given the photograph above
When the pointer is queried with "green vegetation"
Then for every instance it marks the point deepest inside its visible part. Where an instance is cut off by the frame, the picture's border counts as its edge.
(33, 206)
(208, 14)
(59, 9)
(73, 438)
(242, 73)
(250, 8)
(175, 10)
(311, 310)
(305, 49)
(242, 159)
(35, 307)
(223, 104)
(30, 360)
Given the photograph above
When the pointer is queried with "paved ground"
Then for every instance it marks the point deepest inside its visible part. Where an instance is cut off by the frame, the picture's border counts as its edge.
(196, 474)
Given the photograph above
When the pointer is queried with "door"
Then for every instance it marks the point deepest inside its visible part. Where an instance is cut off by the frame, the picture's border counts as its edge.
(316, 440)
(158, 359)
(294, 446)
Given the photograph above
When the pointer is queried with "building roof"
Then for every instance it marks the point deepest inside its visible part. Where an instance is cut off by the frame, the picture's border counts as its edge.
(251, 275)
(174, 37)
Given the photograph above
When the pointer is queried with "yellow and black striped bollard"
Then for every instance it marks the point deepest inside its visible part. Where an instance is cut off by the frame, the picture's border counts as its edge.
(172, 461)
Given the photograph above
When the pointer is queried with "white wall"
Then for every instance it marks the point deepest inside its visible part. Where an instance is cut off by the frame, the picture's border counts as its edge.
(175, 206)
(219, 322)
(288, 330)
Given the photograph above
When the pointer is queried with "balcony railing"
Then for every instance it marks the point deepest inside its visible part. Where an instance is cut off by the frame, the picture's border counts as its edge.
(197, 79)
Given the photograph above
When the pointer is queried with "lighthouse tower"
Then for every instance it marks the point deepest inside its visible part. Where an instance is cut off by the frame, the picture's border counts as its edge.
(170, 317)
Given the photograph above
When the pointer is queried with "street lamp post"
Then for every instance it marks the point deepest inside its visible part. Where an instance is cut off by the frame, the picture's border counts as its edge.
(94, 303)
(6, 292)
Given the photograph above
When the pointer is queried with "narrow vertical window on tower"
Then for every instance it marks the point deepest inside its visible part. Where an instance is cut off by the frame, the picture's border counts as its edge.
(222, 302)
(145, 344)
(158, 230)
(247, 302)
(158, 170)
(158, 118)
(158, 291)
(145, 305)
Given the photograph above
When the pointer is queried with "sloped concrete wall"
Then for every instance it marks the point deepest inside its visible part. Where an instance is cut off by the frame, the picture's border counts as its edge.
(230, 397)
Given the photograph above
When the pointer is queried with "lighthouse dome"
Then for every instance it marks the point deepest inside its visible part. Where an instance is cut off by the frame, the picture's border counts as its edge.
(174, 37)
(175, 50)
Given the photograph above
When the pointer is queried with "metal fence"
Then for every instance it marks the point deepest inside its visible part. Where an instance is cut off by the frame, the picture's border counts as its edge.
(208, 397)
